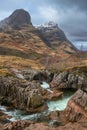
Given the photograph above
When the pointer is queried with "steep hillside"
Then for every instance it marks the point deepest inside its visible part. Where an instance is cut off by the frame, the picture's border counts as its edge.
(55, 37)
(24, 45)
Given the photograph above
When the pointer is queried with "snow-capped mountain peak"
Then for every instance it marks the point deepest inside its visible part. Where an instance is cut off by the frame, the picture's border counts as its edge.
(47, 25)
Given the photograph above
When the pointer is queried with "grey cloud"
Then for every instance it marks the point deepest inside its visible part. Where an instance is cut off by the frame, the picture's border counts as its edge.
(82, 4)
(72, 17)
(72, 14)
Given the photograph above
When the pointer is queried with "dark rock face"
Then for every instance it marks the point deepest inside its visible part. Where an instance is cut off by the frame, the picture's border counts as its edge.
(40, 76)
(18, 18)
(67, 80)
(51, 31)
(53, 35)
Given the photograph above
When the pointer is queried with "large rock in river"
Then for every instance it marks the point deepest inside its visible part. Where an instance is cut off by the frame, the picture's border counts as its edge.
(21, 94)
(77, 106)
(70, 79)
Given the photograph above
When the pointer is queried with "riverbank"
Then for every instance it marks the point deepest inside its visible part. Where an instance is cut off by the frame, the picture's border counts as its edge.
(37, 100)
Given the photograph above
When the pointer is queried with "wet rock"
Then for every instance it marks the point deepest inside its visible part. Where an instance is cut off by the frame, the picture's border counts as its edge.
(15, 93)
(58, 79)
(3, 119)
(39, 126)
(18, 125)
(80, 125)
(68, 80)
(58, 116)
(6, 101)
(36, 101)
(54, 95)
(54, 123)
(77, 106)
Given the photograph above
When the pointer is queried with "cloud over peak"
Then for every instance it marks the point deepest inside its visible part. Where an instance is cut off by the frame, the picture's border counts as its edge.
(71, 15)
(48, 13)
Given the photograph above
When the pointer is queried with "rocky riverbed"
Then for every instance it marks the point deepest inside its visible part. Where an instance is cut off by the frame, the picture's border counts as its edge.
(61, 105)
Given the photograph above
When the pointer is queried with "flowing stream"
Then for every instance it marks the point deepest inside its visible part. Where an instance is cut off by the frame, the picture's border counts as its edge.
(61, 103)
(52, 106)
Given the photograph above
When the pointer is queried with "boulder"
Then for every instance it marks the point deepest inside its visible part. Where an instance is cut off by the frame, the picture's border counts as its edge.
(77, 106)
(15, 93)
(69, 80)
(36, 101)
(53, 95)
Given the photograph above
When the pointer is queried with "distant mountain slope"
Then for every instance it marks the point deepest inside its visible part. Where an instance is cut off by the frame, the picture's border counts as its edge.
(19, 38)
(51, 31)
(54, 36)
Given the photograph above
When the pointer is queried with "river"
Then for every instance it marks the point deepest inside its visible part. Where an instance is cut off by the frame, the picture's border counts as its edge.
(52, 106)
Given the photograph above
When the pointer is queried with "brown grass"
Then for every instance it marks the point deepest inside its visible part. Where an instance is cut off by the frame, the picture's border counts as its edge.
(17, 62)
(4, 72)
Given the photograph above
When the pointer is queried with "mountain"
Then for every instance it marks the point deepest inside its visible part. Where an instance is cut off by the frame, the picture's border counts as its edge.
(32, 46)
(54, 37)
(29, 57)
(18, 18)
(51, 31)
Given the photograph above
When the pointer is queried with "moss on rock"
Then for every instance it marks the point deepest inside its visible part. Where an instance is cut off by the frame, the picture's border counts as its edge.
(36, 101)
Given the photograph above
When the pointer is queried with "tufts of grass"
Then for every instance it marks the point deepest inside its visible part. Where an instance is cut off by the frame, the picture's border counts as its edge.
(5, 72)
(2, 67)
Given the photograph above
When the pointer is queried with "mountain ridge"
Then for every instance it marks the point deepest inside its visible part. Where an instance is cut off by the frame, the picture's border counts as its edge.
(18, 18)
(53, 35)
(21, 39)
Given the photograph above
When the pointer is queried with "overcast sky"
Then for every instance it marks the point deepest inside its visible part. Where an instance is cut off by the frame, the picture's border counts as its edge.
(71, 15)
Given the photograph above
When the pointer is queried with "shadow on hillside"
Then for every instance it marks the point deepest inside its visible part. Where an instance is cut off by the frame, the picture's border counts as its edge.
(18, 53)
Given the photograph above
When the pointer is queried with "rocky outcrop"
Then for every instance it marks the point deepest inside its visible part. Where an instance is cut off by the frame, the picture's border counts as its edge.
(28, 125)
(3, 119)
(69, 80)
(18, 125)
(73, 117)
(75, 114)
(80, 125)
(17, 19)
(22, 89)
(52, 95)
(21, 94)
(39, 126)
(37, 75)
(77, 106)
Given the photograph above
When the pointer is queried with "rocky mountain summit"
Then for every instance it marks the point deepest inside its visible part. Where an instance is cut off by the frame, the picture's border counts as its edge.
(53, 35)
(17, 19)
